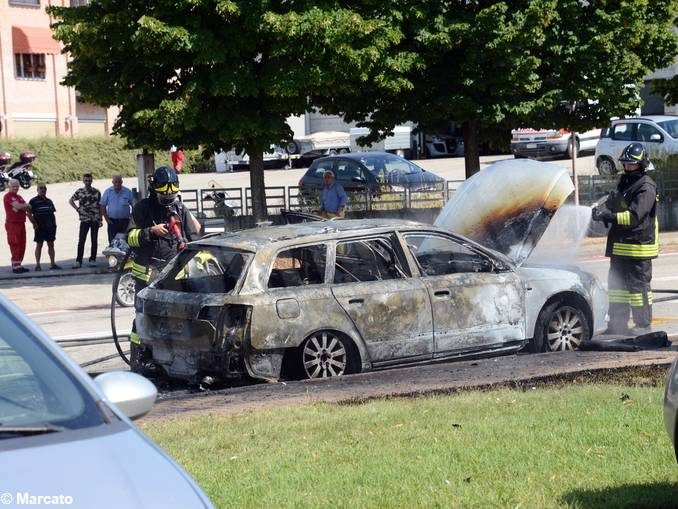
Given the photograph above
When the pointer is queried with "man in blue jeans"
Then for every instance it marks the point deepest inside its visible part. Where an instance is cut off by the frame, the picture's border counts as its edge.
(87, 206)
(333, 199)
(116, 207)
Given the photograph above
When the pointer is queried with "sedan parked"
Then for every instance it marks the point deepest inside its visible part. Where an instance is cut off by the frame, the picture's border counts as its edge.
(67, 440)
(328, 298)
(370, 171)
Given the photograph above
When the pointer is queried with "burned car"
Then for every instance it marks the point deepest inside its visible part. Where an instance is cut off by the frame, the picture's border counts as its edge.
(328, 298)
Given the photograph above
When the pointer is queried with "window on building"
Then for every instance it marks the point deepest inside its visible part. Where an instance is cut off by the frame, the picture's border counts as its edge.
(30, 65)
(78, 3)
(25, 2)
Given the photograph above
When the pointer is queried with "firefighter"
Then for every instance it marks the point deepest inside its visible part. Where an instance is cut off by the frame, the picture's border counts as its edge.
(158, 230)
(632, 243)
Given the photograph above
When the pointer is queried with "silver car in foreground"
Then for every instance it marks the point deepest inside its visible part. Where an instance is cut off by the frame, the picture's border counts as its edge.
(671, 406)
(66, 440)
(329, 298)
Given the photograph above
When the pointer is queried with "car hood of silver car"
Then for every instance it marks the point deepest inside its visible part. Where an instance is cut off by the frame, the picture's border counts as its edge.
(508, 205)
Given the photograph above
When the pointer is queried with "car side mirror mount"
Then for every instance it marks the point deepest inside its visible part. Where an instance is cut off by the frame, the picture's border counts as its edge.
(131, 393)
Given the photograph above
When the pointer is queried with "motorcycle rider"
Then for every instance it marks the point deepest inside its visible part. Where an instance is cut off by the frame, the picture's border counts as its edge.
(632, 243)
(154, 241)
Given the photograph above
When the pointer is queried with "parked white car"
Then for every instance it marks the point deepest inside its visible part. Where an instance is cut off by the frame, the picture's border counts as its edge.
(659, 134)
(551, 142)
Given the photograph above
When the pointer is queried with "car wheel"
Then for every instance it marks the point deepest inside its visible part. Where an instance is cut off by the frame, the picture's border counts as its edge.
(606, 166)
(125, 289)
(559, 327)
(327, 354)
(518, 156)
(571, 154)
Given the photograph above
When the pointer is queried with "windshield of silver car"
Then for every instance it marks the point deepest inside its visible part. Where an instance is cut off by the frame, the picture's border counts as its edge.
(37, 394)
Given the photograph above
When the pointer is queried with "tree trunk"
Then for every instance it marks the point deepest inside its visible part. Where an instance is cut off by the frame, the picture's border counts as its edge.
(257, 185)
(471, 153)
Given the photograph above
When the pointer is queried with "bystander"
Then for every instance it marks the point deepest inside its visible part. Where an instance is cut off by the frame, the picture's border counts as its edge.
(116, 208)
(45, 226)
(87, 206)
(16, 210)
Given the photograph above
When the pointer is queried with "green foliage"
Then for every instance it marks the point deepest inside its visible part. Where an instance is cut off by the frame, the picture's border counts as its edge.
(66, 159)
(522, 63)
(575, 446)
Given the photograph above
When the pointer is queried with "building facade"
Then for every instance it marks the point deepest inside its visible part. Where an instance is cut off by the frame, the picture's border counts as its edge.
(33, 103)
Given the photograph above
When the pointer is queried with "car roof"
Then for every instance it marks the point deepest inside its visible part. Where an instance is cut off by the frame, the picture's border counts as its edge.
(256, 238)
(652, 118)
(356, 156)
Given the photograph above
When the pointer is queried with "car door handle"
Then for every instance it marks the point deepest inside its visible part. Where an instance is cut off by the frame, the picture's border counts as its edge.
(356, 301)
(442, 293)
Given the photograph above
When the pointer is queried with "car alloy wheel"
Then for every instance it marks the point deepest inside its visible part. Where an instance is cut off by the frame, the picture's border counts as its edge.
(566, 329)
(125, 289)
(324, 355)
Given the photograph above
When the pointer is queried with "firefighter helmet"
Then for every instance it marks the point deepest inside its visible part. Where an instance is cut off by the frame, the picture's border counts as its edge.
(635, 153)
(165, 184)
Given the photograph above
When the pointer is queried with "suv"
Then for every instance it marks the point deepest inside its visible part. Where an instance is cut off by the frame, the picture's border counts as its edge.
(659, 134)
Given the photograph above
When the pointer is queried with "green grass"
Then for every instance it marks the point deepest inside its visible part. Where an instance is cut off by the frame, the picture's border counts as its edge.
(66, 159)
(576, 446)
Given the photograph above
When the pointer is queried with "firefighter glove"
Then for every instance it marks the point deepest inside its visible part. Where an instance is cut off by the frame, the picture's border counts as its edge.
(602, 214)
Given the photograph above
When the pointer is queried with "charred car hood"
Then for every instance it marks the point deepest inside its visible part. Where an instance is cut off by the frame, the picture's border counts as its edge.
(508, 205)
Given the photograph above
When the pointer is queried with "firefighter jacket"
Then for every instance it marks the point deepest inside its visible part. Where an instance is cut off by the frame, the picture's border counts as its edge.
(635, 229)
(151, 253)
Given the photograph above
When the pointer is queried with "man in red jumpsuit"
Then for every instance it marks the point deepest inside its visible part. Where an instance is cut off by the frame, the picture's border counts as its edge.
(16, 210)
(177, 154)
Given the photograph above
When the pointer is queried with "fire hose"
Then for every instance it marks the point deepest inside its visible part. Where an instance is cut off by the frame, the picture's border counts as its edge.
(116, 340)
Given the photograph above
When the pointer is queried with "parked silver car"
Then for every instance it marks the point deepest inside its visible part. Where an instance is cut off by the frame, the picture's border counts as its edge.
(329, 298)
(671, 406)
(66, 440)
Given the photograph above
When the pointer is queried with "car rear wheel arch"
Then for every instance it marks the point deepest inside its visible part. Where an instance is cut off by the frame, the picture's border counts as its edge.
(569, 306)
(293, 363)
(606, 166)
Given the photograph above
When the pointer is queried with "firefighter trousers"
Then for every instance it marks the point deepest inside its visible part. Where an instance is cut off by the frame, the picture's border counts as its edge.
(629, 289)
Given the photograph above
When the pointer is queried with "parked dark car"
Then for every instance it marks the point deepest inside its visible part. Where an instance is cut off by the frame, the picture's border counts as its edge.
(361, 171)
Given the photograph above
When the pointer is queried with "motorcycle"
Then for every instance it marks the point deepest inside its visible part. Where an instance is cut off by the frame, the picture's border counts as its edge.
(22, 170)
(120, 259)
(5, 159)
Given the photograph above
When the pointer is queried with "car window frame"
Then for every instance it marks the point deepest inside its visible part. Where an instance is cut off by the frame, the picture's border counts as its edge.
(497, 265)
(651, 125)
(276, 253)
(390, 236)
(634, 129)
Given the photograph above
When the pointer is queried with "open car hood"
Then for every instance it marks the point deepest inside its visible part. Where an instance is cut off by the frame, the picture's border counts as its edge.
(508, 205)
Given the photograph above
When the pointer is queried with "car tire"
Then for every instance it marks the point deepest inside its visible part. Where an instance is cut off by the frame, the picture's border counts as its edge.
(518, 156)
(327, 354)
(606, 166)
(570, 154)
(124, 289)
(559, 327)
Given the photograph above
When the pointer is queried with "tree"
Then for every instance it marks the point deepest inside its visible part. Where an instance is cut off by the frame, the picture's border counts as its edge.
(222, 73)
(495, 65)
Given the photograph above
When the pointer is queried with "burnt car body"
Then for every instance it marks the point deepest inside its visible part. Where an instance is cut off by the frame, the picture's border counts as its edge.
(327, 298)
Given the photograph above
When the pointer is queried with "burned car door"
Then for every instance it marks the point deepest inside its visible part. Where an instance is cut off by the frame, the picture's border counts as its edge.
(297, 301)
(474, 305)
(390, 309)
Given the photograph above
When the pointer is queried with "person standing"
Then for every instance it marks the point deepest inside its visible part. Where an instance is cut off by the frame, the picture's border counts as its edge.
(116, 207)
(88, 199)
(632, 243)
(44, 225)
(333, 199)
(16, 211)
(177, 155)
